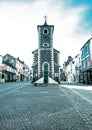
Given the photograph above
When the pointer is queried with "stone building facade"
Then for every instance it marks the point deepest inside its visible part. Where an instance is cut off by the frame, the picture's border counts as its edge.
(86, 63)
(46, 68)
(1, 70)
(10, 68)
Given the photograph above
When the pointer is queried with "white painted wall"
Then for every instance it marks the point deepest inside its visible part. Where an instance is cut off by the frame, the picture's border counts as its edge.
(0, 60)
(51, 81)
(41, 81)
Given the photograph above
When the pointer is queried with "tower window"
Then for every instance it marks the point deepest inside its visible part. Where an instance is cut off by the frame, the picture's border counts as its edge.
(45, 45)
(45, 31)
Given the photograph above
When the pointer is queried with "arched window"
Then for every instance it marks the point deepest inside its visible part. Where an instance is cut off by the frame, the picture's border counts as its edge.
(45, 45)
(45, 31)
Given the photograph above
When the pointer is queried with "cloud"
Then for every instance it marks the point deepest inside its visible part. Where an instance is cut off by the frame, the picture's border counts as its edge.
(18, 27)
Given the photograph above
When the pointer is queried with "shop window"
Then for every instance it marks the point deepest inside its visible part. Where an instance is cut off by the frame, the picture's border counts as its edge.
(2, 76)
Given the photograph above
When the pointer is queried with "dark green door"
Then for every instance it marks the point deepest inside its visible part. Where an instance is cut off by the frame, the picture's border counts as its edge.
(45, 73)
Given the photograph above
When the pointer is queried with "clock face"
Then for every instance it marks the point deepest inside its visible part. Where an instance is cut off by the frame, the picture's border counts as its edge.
(45, 31)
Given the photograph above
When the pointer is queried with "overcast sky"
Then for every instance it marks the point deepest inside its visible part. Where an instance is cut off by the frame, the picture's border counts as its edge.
(72, 20)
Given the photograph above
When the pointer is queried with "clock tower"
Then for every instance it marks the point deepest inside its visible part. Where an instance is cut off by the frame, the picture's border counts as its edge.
(45, 35)
(44, 57)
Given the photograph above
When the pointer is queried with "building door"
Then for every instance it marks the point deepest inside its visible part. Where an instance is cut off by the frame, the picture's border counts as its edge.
(45, 73)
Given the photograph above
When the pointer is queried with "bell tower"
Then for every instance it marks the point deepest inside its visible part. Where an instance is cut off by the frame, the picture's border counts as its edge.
(45, 35)
(45, 58)
(45, 48)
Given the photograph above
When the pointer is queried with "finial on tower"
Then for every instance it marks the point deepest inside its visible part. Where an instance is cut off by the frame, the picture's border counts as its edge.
(45, 17)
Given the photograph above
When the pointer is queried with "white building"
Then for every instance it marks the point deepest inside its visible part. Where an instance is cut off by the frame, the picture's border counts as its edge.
(12, 69)
(69, 71)
(20, 69)
(23, 71)
(1, 70)
(76, 67)
(9, 63)
(72, 69)
(26, 72)
(10, 73)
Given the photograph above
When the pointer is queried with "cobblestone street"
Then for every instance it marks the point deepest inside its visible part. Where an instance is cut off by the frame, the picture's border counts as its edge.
(54, 107)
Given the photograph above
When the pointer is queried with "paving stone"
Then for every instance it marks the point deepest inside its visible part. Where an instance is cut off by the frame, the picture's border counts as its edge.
(25, 107)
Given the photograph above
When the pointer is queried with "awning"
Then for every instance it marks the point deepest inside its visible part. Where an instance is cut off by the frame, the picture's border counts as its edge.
(87, 68)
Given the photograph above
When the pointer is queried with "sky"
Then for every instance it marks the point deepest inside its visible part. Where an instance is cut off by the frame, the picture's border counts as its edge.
(72, 20)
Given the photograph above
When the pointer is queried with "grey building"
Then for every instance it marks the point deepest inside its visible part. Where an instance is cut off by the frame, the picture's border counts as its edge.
(46, 68)
(1, 70)
(86, 62)
(10, 68)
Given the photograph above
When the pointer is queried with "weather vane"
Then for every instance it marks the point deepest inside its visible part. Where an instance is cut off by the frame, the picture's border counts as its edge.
(45, 17)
